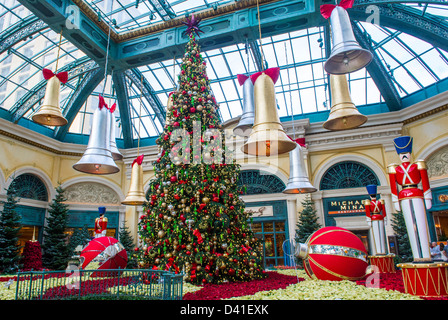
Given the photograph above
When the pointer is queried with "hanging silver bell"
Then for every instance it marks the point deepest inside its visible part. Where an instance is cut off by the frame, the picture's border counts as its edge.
(298, 181)
(116, 154)
(346, 53)
(97, 158)
(246, 122)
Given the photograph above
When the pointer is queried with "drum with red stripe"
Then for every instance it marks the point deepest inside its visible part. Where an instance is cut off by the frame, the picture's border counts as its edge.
(385, 263)
(425, 279)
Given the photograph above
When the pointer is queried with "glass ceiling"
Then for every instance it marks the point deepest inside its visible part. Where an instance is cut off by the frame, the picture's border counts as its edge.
(302, 88)
(126, 15)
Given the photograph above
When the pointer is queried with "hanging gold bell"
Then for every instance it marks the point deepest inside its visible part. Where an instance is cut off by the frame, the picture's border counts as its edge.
(97, 158)
(116, 154)
(244, 126)
(136, 194)
(346, 54)
(50, 113)
(267, 136)
(343, 113)
(298, 181)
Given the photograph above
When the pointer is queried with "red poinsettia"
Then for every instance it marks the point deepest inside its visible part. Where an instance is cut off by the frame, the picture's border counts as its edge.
(273, 281)
(32, 256)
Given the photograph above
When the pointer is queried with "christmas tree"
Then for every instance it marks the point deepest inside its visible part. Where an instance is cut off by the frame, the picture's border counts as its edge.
(56, 250)
(125, 238)
(80, 237)
(404, 246)
(10, 226)
(307, 223)
(194, 221)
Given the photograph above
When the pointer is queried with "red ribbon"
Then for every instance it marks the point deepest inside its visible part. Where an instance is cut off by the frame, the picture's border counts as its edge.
(102, 103)
(327, 9)
(242, 78)
(138, 160)
(62, 76)
(198, 234)
(273, 73)
(299, 141)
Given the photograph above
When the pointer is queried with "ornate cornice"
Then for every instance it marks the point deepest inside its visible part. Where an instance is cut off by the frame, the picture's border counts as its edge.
(426, 114)
(38, 145)
(173, 23)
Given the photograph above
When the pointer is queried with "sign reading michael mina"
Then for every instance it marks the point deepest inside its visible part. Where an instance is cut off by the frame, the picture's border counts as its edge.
(345, 205)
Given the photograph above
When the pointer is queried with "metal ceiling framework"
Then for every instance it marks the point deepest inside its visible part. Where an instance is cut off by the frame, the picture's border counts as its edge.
(230, 23)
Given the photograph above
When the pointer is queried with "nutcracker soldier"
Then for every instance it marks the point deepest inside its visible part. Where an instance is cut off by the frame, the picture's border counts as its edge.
(101, 223)
(375, 216)
(411, 200)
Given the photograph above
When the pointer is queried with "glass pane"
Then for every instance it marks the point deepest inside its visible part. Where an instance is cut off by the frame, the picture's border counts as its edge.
(279, 239)
(256, 227)
(269, 245)
(268, 227)
(279, 226)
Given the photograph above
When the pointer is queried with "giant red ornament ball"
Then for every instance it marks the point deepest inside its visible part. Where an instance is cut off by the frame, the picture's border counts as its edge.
(333, 253)
(107, 251)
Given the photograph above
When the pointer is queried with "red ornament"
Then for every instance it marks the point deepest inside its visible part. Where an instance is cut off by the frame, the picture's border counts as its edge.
(333, 253)
(107, 251)
(173, 179)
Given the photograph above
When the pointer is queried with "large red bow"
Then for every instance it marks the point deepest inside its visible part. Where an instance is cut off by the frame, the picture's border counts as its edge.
(273, 73)
(299, 141)
(102, 103)
(242, 78)
(138, 160)
(62, 76)
(327, 9)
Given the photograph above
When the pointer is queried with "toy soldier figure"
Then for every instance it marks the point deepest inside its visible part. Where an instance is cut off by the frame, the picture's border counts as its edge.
(411, 200)
(375, 215)
(101, 223)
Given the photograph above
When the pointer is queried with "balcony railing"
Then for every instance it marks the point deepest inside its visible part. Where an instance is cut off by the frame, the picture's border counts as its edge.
(116, 284)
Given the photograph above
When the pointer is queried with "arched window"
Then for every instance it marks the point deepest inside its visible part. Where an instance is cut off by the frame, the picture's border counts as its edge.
(348, 174)
(30, 186)
(257, 182)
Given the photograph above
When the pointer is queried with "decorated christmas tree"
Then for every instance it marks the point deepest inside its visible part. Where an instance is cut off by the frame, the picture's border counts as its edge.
(194, 221)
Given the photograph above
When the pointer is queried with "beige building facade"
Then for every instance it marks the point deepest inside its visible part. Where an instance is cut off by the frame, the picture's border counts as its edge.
(369, 147)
